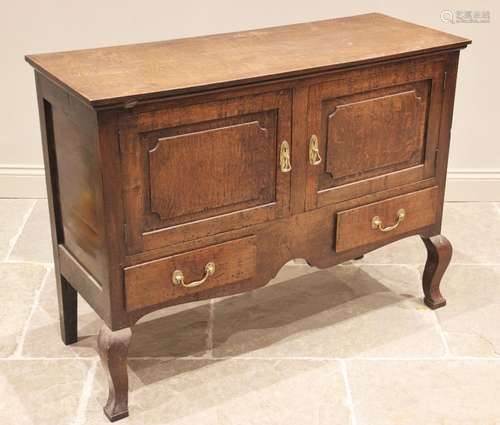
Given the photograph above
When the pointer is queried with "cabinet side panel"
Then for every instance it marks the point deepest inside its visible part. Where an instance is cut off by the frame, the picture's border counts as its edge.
(79, 192)
(78, 183)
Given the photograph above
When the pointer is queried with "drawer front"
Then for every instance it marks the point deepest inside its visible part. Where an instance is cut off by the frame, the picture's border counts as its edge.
(385, 219)
(376, 128)
(204, 167)
(152, 283)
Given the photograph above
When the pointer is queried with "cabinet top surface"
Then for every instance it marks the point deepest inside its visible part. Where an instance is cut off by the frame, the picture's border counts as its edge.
(112, 75)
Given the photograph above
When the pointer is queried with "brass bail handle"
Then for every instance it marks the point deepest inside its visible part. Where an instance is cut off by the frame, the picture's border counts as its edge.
(285, 164)
(377, 222)
(314, 157)
(178, 276)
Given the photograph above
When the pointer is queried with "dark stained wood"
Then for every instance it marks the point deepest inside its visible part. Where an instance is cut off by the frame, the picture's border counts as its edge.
(388, 122)
(219, 157)
(68, 311)
(439, 253)
(82, 281)
(354, 226)
(112, 74)
(445, 131)
(80, 191)
(66, 295)
(150, 283)
(150, 169)
(245, 151)
(355, 160)
(113, 350)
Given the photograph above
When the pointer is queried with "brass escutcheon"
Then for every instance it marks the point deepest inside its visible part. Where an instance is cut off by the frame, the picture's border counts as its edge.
(314, 157)
(285, 164)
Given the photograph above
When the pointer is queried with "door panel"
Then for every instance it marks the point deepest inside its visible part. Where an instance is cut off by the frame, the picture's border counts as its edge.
(230, 167)
(211, 165)
(377, 128)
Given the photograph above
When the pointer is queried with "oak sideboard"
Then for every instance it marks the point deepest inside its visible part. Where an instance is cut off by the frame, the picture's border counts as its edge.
(196, 168)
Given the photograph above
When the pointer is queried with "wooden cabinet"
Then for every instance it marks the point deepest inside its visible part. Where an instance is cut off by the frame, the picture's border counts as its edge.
(196, 168)
(200, 168)
(377, 128)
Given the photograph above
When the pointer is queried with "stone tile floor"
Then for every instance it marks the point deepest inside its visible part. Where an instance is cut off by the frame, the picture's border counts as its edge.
(351, 345)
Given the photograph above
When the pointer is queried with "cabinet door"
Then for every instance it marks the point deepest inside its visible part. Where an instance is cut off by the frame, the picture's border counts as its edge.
(204, 167)
(376, 127)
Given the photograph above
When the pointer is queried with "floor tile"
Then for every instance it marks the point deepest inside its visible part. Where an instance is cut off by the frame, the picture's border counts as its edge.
(19, 283)
(43, 337)
(405, 251)
(474, 231)
(12, 214)
(34, 243)
(40, 392)
(175, 331)
(425, 392)
(470, 319)
(341, 312)
(230, 392)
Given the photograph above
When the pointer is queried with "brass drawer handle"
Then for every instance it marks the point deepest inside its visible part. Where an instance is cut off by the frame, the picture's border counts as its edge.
(285, 164)
(377, 222)
(314, 158)
(178, 277)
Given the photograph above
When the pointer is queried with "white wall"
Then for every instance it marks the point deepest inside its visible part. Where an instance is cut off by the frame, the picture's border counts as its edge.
(50, 25)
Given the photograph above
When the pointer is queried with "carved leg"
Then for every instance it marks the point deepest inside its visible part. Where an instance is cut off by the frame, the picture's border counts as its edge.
(68, 308)
(439, 252)
(113, 350)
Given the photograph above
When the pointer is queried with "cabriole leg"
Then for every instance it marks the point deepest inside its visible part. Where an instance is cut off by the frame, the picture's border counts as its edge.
(439, 253)
(113, 350)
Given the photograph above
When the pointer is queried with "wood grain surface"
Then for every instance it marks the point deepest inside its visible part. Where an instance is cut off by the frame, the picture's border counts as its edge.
(354, 226)
(115, 74)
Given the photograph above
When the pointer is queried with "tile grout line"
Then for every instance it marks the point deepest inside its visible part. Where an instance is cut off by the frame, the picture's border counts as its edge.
(81, 412)
(53, 359)
(14, 239)
(20, 343)
(349, 400)
(439, 329)
(36, 263)
(210, 329)
(275, 358)
(268, 358)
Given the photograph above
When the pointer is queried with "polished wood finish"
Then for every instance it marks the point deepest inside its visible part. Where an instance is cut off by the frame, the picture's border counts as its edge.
(150, 283)
(366, 157)
(151, 169)
(354, 226)
(117, 74)
(68, 309)
(387, 121)
(439, 253)
(221, 156)
(113, 350)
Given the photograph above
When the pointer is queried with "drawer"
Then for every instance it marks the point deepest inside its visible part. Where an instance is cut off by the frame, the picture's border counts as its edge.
(152, 283)
(385, 219)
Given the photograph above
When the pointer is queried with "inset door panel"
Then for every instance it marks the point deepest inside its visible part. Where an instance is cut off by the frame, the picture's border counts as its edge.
(217, 170)
(376, 135)
(207, 165)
